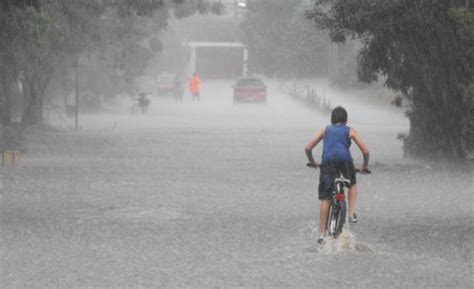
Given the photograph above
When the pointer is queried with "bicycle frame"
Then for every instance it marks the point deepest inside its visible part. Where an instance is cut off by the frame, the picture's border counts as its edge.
(337, 207)
(340, 184)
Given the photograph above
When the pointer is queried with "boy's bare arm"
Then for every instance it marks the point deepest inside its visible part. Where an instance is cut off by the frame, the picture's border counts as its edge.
(312, 143)
(363, 148)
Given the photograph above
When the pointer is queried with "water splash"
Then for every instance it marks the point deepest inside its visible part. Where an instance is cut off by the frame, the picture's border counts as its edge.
(345, 243)
(346, 240)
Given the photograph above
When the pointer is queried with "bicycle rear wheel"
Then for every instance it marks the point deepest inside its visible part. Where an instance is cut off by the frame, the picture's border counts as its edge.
(341, 218)
(331, 224)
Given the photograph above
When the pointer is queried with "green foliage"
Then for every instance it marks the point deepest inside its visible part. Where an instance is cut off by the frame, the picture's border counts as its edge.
(421, 48)
(32, 39)
(12, 138)
(185, 8)
(281, 41)
(464, 21)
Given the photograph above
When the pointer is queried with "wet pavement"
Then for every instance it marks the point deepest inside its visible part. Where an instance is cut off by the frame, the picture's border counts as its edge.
(211, 194)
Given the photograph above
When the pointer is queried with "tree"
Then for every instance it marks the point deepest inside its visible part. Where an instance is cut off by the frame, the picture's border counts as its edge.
(123, 35)
(422, 48)
(36, 35)
(28, 42)
(303, 52)
(281, 41)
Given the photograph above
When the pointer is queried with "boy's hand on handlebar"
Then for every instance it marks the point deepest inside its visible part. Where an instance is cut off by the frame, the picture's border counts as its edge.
(313, 165)
(364, 171)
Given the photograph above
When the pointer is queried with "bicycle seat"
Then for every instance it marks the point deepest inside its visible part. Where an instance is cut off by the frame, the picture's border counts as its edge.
(342, 180)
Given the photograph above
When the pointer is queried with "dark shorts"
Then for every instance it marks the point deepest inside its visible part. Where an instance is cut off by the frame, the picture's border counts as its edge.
(329, 171)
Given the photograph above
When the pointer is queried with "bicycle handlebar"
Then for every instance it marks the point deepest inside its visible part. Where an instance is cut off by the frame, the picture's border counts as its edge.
(365, 171)
(312, 165)
(316, 166)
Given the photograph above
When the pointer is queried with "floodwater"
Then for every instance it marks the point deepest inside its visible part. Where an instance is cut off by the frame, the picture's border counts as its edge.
(211, 194)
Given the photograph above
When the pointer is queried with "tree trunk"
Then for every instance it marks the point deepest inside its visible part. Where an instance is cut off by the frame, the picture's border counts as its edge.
(439, 111)
(435, 129)
(5, 102)
(37, 77)
(33, 111)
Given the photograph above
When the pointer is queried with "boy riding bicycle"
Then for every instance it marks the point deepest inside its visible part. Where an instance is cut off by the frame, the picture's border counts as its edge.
(336, 159)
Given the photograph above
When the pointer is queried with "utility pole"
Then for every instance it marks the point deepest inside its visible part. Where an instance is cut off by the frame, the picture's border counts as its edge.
(235, 12)
(77, 92)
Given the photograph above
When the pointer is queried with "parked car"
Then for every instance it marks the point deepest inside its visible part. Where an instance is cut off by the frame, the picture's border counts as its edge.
(250, 89)
(166, 83)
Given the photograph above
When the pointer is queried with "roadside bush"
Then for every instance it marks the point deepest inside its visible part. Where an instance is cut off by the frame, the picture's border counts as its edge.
(310, 97)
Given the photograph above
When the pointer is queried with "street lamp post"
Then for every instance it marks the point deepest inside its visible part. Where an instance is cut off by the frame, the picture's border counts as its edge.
(77, 94)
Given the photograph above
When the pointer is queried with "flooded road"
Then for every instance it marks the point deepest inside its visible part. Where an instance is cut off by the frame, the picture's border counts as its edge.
(210, 194)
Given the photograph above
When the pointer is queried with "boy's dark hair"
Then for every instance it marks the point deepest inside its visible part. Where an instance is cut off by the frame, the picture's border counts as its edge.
(338, 115)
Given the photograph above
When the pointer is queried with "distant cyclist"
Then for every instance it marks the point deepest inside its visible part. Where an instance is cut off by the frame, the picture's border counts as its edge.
(336, 159)
(143, 101)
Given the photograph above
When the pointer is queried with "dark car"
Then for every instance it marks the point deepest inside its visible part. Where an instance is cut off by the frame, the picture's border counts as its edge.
(250, 89)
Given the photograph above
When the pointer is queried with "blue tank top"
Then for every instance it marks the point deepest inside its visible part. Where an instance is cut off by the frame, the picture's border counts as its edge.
(336, 144)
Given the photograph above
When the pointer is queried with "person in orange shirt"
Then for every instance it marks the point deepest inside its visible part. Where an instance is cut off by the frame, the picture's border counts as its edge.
(194, 86)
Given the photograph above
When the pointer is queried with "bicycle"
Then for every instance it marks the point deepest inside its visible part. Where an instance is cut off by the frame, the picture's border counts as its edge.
(337, 206)
(141, 104)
